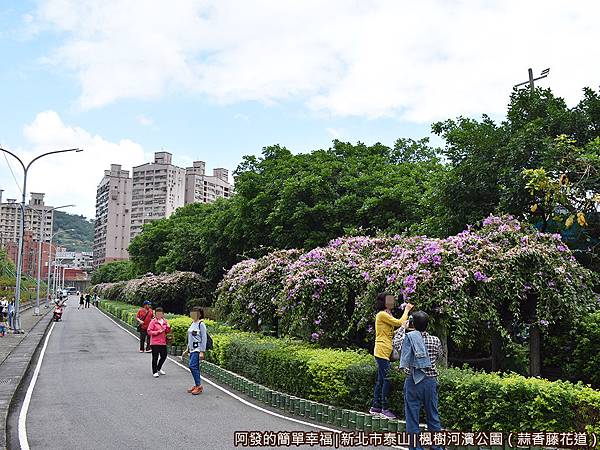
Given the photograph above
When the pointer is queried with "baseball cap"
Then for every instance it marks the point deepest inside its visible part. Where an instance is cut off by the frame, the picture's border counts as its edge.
(147, 302)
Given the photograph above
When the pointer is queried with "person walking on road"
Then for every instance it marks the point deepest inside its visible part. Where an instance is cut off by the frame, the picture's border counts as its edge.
(81, 299)
(158, 329)
(87, 300)
(196, 346)
(385, 324)
(143, 318)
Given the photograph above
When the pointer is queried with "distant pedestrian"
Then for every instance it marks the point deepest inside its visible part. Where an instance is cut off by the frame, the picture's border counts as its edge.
(11, 314)
(87, 300)
(3, 308)
(81, 300)
(158, 329)
(143, 318)
(196, 346)
(96, 299)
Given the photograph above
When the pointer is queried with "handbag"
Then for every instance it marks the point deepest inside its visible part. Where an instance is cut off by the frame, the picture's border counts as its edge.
(139, 327)
(395, 356)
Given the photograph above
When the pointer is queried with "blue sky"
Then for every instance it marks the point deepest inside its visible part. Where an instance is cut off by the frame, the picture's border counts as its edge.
(218, 80)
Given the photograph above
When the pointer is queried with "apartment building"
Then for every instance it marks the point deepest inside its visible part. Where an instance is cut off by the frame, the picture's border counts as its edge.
(158, 190)
(38, 217)
(113, 216)
(76, 260)
(202, 188)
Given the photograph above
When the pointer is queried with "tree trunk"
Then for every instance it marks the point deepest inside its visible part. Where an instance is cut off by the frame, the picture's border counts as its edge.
(535, 345)
(496, 350)
(441, 331)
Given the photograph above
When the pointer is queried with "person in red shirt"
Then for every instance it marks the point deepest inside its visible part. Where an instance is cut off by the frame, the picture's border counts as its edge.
(143, 317)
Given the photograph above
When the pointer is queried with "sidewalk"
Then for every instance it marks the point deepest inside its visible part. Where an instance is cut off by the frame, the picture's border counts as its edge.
(16, 352)
(28, 321)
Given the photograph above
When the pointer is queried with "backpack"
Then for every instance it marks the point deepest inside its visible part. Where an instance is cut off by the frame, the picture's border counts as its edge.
(209, 342)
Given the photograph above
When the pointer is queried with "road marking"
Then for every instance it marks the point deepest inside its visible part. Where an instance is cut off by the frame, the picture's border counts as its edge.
(237, 397)
(23, 414)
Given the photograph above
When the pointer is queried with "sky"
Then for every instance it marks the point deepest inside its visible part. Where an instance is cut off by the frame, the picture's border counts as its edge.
(217, 80)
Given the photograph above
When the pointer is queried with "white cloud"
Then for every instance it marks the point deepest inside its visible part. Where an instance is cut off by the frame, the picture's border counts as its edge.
(145, 121)
(334, 132)
(418, 61)
(69, 178)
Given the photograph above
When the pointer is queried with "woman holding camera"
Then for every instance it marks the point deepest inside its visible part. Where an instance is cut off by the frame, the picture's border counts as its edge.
(385, 323)
(196, 347)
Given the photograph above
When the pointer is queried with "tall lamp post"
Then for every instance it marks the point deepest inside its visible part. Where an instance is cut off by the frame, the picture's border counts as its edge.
(50, 261)
(39, 263)
(17, 313)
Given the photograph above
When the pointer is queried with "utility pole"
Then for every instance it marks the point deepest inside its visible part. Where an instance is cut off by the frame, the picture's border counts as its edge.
(531, 81)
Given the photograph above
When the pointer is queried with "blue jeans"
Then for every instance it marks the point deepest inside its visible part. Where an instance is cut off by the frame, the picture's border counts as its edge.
(425, 393)
(381, 396)
(195, 367)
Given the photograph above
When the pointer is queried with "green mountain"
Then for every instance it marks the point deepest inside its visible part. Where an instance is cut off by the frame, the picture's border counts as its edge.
(81, 239)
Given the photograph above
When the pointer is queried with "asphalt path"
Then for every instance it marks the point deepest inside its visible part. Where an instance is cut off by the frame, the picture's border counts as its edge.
(96, 391)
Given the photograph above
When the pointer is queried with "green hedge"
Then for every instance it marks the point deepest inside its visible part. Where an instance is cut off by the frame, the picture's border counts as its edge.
(469, 400)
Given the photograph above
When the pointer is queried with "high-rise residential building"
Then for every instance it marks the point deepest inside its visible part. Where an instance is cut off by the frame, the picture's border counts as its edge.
(158, 190)
(38, 217)
(202, 188)
(113, 216)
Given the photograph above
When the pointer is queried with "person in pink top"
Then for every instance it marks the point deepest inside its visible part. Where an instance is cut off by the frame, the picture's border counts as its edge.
(158, 329)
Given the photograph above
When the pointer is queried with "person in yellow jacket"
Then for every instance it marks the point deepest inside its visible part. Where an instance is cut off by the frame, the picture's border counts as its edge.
(385, 324)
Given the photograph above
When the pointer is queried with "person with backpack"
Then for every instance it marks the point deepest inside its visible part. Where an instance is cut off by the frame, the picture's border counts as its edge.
(143, 318)
(158, 329)
(197, 339)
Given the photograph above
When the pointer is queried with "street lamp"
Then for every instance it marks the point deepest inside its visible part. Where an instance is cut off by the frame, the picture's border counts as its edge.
(50, 257)
(39, 264)
(17, 313)
(531, 80)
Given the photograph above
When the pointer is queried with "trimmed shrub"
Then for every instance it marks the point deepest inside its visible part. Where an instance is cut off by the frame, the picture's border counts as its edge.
(468, 400)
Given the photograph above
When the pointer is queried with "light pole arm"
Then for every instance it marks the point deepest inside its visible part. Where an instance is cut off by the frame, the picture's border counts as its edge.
(48, 153)
(15, 156)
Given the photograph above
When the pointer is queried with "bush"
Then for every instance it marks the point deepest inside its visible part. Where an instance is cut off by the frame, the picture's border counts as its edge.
(469, 400)
(170, 291)
(498, 278)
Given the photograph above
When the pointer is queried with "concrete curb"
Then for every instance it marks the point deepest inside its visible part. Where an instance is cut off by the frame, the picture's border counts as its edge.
(15, 367)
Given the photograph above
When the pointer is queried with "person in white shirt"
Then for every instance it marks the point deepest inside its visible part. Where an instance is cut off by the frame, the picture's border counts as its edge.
(196, 338)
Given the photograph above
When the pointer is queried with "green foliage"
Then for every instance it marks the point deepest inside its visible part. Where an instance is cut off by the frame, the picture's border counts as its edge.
(179, 326)
(7, 267)
(81, 239)
(575, 349)
(286, 201)
(114, 271)
(487, 161)
(468, 400)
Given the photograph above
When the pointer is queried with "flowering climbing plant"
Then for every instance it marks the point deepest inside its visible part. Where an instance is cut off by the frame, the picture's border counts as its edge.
(485, 278)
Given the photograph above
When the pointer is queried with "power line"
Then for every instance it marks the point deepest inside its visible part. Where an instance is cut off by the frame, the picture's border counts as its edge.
(12, 173)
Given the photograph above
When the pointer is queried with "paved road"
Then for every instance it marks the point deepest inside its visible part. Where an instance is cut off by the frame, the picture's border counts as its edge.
(96, 391)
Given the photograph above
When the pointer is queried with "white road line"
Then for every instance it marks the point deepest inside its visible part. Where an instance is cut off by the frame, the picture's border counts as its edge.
(23, 414)
(244, 401)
